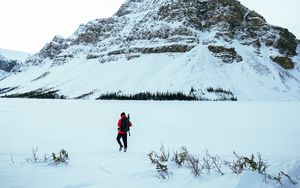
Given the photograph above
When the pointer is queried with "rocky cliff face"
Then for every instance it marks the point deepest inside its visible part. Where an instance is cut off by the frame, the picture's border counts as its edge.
(7, 65)
(167, 24)
(220, 33)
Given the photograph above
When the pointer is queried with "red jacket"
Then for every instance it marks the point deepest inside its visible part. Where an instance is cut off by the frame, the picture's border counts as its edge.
(119, 125)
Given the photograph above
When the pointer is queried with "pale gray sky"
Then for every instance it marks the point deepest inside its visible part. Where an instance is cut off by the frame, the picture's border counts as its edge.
(26, 25)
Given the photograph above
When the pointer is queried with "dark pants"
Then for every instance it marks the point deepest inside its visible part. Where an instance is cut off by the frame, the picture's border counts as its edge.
(124, 138)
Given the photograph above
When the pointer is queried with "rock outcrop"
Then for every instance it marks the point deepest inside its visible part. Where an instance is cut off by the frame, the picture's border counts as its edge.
(54, 48)
(284, 62)
(227, 55)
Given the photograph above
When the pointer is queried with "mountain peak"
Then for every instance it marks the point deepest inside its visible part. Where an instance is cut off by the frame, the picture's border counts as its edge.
(229, 18)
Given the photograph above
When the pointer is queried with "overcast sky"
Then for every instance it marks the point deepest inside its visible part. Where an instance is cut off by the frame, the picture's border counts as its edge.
(26, 25)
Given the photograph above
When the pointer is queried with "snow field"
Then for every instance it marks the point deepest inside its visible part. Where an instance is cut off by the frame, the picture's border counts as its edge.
(87, 130)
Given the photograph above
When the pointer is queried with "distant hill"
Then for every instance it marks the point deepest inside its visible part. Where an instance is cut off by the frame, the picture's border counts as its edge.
(10, 61)
(16, 55)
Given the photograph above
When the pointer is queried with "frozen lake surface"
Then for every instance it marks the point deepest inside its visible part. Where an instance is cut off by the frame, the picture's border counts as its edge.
(87, 130)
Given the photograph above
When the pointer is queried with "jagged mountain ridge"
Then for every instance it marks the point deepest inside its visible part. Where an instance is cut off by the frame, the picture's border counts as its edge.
(169, 45)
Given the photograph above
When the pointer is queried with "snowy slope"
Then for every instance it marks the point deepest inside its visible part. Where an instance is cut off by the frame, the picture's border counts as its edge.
(87, 130)
(167, 45)
(3, 74)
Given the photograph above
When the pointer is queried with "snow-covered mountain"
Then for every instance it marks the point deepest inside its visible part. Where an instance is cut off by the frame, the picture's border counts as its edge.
(7, 65)
(10, 61)
(168, 45)
(13, 54)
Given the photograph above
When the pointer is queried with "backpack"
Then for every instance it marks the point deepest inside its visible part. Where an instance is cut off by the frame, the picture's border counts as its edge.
(125, 125)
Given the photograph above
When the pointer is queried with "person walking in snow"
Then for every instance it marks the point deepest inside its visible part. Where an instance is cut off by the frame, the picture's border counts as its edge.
(124, 125)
